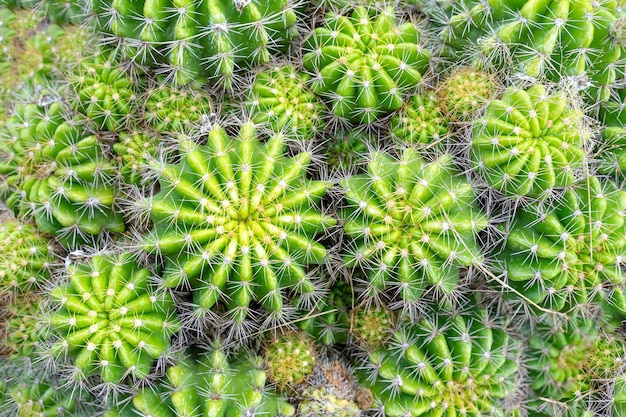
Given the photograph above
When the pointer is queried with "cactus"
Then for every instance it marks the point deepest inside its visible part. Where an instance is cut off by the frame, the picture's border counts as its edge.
(464, 92)
(237, 220)
(364, 63)
(619, 395)
(448, 364)
(24, 329)
(210, 384)
(371, 327)
(529, 143)
(347, 150)
(289, 359)
(420, 122)
(134, 150)
(54, 173)
(110, 320)
(65, 11)
(554, 38)
(413, 224)
(281, 100)
(26, 257)
(568, 256)
(329, 322)
(175, 110)
(192, 40)
(610, 152)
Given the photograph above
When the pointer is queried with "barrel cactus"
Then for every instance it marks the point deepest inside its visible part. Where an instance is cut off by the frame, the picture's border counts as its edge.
(421, 122)
(529, 143)
(237, 219)
(567, 256)
(365, 62)
(196, 41)
(347, 150)
(110, 320)
(289, 359)
(610, 152)
(413, 224)
(466, 91)
(446, 364)
(24, 330)
(372, 326)
(45, 399)
(329, 322)
(134, 150)
(281, 100)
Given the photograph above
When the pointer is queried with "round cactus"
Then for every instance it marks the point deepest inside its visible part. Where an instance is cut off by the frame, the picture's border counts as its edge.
(529, 143)
(610, 152)
(420, 122)
(110, 320)
(237, 220)
(364, 63)
(569, 255)
(449, 364)
(289, 359)
(175, 110)
(329, 322)
(24, 329)
(26, 257)
(134, 150)
(464, 92)
(210, 385)
(281, 100)
(347, 151)
(319, 403)
(371, 327)
(198, 41)
(413, 224)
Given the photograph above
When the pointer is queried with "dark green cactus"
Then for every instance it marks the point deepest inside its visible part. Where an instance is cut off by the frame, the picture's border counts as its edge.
(329, 322)
(610, 152)
(348, 150)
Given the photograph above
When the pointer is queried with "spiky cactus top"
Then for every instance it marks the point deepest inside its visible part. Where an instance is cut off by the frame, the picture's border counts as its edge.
(194, 40)
(529, 143)
(237, 219)
(51, 171)
(347, 150)
(211, 385)
(25, 328)
(134, 150)
(329, 322)
(364, 63)
(413, 224)
(110, 320)
(448, 364)
(464, 92)
(281, 100)
(289, 358)
(570, 255)
(371, 326)
(421, 122)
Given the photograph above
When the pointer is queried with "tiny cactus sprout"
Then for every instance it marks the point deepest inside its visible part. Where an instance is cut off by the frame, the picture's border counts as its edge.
(237, 219)
(175, 110)
(110, 320)
(421, 122)
(610, 152)
(371, 326)
(529, 143)
(347, 151)
(466, 91)
(209, 384)
(365, 62)
(281, 100)
(567, 256)
(413, 224)
(463, 364)
(289, 358)
(26, 257)
(133, 152)
(329, 322)
(196, 41)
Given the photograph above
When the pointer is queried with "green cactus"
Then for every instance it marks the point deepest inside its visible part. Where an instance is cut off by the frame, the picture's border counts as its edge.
(610, 152)
(413, 224)
(556, 38)
(569, 255)
(110, 320)
(24, 330)
(347, 150)
(371, 326)
(329, 322)
(421, 122)
(365, 62)
(26, 257)
(529, 143)
(289, 359)
(619, 395)
(448, 364)
(212, 385)
(322, 404)
(175, 110)
(65, 11)
(281, 100)
(54, 173)
(237, 220)
(464, 92)
(133, 152)
(193, 40)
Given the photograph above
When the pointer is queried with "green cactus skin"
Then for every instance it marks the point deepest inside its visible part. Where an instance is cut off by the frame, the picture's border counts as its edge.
(211, 385)
(464, 92)
(110, 320)
(43, 400)
(371, 327)
(619, 395)
(528, 143)
(24, 330)
(26, 257)
(557, 38)
(198, 40)
(570, 255)
(330, 321)
(289, 359)
(54, 173)
(237, 220)
(413, 224)
(133, 152)
(420, 122)
(105, 94)
(449, 364)
(364, 63)
(65, 11)
(281, 100)
(347, 151)
(175, 110)
(610, 152)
